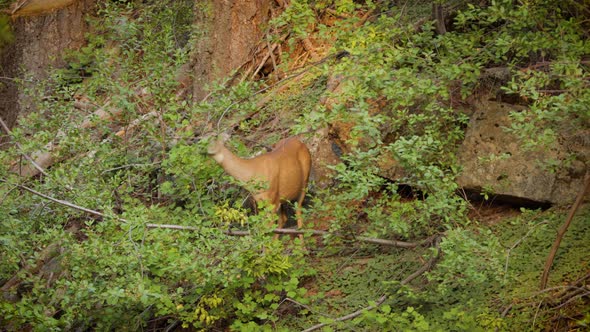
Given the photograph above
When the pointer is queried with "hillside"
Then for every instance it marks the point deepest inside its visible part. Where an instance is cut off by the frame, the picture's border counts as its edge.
(449, 145)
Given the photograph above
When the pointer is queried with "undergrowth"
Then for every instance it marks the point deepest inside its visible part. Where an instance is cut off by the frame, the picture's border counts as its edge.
(399, 97)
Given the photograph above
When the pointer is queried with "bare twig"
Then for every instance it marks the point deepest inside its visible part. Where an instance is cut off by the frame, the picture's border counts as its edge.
(272, 56)
(18, 6)
(297, 73)
(247, 66)
(287, 299)
(505, 312)
(64, 203)
(9, 133)
(271, 49)
(172, 326)
(537, 313)
(562, 231)
(564, 289)
(129, 166)
(382, 299)
(308, 46)
(349, 316)
(46, 157)
(568, 293)
(128, 130)
(577, 296)
(289, 231)
(517, 243)
(178, 227)
(9, 79)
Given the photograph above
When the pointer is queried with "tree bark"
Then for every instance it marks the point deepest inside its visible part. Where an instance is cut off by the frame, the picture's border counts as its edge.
(232, 29)
(39, 42)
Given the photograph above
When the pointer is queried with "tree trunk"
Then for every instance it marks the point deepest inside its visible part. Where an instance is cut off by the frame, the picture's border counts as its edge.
(40, 41)
(231, 29)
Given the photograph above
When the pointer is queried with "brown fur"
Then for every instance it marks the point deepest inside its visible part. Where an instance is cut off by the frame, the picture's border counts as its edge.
(283, 172)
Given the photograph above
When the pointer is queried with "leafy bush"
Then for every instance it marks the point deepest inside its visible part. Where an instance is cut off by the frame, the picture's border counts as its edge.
(113, 272)
(401, 95)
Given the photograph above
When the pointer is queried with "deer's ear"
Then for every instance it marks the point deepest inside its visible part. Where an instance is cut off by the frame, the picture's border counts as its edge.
(224, 137)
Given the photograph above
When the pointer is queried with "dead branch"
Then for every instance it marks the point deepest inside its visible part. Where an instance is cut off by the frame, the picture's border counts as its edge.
(46, 255)
(562, 231)
(64, 203)
(313, 232)
(277, 87)
(382, 299)
(129, 129)
(567, 294)
(9, 133)
(271, 49)
(17, 6)
(282, 84)
(580, 281)
(272, 58)
(573, 298)
(245, 69)
(308, 46)
(437, 16)
(365, 17)
(44, 158)
(517, 243)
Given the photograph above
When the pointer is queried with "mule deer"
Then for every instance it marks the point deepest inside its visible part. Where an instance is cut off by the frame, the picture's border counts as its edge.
(284, 173)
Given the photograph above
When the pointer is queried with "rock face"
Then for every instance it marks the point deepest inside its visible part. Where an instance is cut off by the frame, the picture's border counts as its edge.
(40, 40)
(494, 159)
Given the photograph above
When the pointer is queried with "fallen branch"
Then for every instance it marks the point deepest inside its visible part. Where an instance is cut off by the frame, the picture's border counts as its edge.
(44, 256)
(568, 293)
(65, 203)
(573, 298)
(9, 133)
(128, 130)
(271, 49)
(44, 158)
(578, 283)
(382, 299)
(562, 231)
(17, 6)
(274, 88)
(517, 243)
(393, 243)
(308, 46)
(289, 231)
